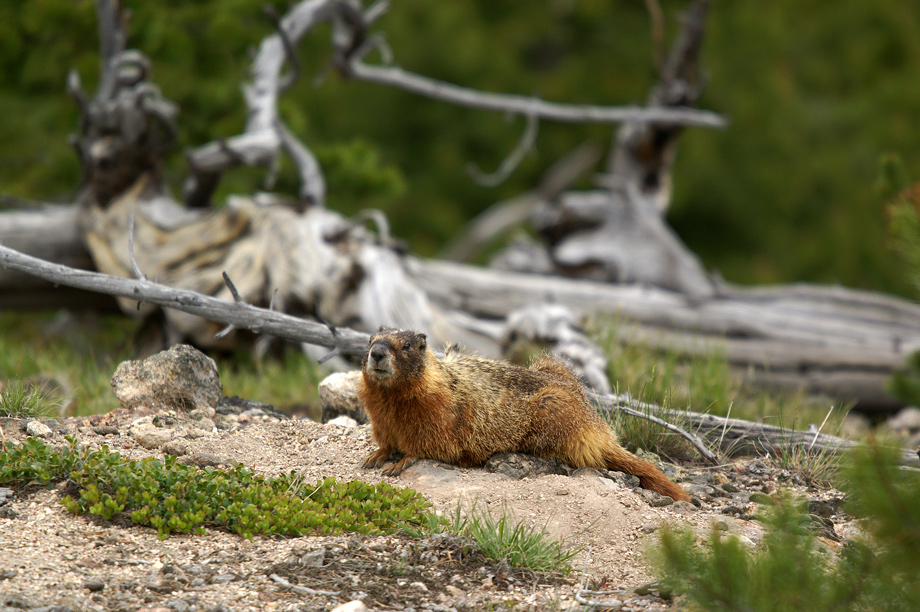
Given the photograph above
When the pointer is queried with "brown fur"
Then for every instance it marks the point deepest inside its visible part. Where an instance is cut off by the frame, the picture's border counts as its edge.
(464, 409)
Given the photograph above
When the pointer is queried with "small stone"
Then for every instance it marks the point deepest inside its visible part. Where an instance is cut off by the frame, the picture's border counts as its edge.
(177, 447)
(105, 430)
(94, 584)
(37, 429)
(352, 606)
(339, 394)
(153, 438)
(202, 413)
(204, 460)
(310, 558)
(455, 591)
(343, 421)
(418, 586)
(653, 499)
(683, 507)
(224, 578)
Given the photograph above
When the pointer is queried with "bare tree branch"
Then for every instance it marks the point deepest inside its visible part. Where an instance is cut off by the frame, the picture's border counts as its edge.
(237, 314)
(261, 140)
(312, 182)
(502, 216)
(515, 157)
(529, 106)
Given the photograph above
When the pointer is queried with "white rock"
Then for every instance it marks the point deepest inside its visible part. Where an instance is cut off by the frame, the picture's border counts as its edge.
(37, 429)
(352, 606)
(344, 421)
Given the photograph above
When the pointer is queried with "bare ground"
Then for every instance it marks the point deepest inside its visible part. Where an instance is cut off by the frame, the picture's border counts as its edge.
(53, 558)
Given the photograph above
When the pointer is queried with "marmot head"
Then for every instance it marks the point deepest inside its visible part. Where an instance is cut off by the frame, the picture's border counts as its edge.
(394, 357)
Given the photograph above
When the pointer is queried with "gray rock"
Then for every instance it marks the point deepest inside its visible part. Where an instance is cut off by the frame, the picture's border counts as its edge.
(153, 438)
(37, 429)
(519, 465)
(653, 499)
(177, 447)
(339, 394)
(181, 378)
(309, 558)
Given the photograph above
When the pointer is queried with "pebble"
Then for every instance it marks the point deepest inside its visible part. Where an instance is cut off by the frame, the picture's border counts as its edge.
(37, 429)
(352, 606)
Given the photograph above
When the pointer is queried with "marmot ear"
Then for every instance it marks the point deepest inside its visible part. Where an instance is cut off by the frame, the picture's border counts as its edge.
(422, 341)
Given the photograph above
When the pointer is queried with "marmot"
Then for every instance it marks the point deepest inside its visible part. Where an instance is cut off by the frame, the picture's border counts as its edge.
(463, 409)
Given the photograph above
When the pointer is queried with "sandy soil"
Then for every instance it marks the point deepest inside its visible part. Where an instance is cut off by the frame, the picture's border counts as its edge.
(54, 558)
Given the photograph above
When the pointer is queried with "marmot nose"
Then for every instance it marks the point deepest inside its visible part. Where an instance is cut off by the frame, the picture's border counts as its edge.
(378, 352)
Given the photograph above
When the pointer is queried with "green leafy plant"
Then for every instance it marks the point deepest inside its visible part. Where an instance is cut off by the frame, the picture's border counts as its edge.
(175, 498)
(790, 570)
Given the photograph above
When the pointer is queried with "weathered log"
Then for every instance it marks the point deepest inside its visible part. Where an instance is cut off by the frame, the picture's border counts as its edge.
(840, 342)
(47, 232)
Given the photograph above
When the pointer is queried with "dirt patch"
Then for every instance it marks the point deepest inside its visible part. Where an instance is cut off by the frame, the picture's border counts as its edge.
(56, 559)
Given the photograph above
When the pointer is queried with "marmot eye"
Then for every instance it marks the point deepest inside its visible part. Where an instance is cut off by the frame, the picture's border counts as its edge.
(408, 345)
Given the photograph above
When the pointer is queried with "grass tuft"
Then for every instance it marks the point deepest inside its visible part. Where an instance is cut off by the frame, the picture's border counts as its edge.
(18, 400)
(504, 538)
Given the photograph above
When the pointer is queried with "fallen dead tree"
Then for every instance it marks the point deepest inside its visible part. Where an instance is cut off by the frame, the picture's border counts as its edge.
(732, 435)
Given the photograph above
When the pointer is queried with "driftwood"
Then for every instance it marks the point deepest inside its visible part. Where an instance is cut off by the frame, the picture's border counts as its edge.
(733, 434)
(840, 342)
(48, 232)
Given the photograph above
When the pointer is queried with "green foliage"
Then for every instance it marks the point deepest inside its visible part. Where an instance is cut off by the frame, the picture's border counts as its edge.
(887, 497)
(175, 498)
(816, 92)
(817, 466)
(789, 569)
(904, 222)
(35, 462)
(519, 545)
(24, 401)
(903, 210)
(905, 382)
(82, 354)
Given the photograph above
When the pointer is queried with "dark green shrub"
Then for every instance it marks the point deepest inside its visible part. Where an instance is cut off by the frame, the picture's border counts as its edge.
(173, 497)
(790, 570)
